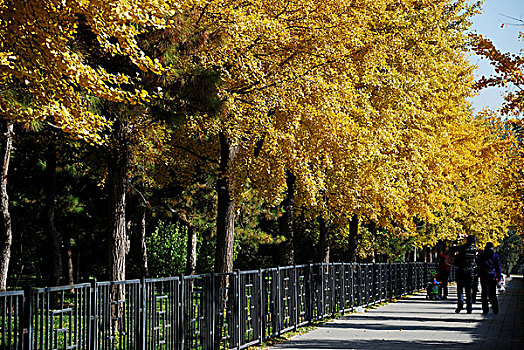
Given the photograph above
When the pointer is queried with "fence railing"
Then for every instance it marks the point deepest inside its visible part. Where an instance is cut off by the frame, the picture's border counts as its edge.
(209, 311)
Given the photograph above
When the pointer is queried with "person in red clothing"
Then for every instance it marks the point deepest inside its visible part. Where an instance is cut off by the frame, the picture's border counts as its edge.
(443, 276)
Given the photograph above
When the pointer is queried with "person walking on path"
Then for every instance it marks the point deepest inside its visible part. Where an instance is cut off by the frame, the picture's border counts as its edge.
(489, 271)
(465, 261)
(443, 276)
(476, 276)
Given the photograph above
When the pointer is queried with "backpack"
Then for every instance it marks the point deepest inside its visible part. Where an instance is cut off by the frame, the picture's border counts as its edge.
(466, 256)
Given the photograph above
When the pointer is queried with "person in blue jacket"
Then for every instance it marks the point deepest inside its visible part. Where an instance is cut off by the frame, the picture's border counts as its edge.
(489, 271)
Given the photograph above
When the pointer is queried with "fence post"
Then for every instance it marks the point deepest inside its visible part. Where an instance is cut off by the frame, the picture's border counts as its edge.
(395, 276)
(393, 272)
(362, 284)
(358, 278)
(405, 278)
(414, 277)
(181, 307)
(343, 290)
(391, 280)
(409, 288)
(323, 297)
(238, 301)
(371, 299)
(417, 274)
(93, 344)
(399, 279)
(376, 283)
(384, 281)
(274, 304)
(333, 273)
(369, 283)
(278, 302)
(423, 273)
(408, 277)
(331, 277)
(380, 294)
(212, 307)
(261, 314)
(27, 326)
(406, 273)
(385, 271)
(310, 290)
(352, 281)
(295, 292)
(142, 332)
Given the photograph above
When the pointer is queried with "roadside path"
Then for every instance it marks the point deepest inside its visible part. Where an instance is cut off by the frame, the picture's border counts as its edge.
(417, 323)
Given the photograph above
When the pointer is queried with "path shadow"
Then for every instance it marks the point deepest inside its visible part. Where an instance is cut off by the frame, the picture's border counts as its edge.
(371, 344)
(502, 331)
(410, 318)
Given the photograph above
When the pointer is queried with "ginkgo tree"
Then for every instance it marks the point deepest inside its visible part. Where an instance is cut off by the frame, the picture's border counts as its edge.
(274, 58)
(509, 75)
(408, 143)
(480, 202)
(48, 75)
(388, 161)
(363, 105)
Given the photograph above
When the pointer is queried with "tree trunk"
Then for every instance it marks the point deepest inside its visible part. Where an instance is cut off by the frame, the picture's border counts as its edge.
(424, 254)
(286, 222)
(52, 234)
(77, 270)
(225, 220)
(70, 267)
(324, 245)
(119, 244)
(373, 231)
(144, 269)
(191, 246)
(353, 238)
(427, 254)
(191, 251)
(6, 234)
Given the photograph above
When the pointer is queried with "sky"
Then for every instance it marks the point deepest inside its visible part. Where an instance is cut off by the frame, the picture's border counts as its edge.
(488, 23)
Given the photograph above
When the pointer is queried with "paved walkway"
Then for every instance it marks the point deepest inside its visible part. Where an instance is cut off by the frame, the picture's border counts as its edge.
(417, 323)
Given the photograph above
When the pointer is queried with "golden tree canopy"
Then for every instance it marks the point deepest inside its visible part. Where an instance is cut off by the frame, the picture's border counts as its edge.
(44, 72)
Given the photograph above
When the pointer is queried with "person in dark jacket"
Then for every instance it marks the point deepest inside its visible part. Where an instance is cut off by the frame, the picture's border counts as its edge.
(489, 272)
(475, 287)
(465, 258)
